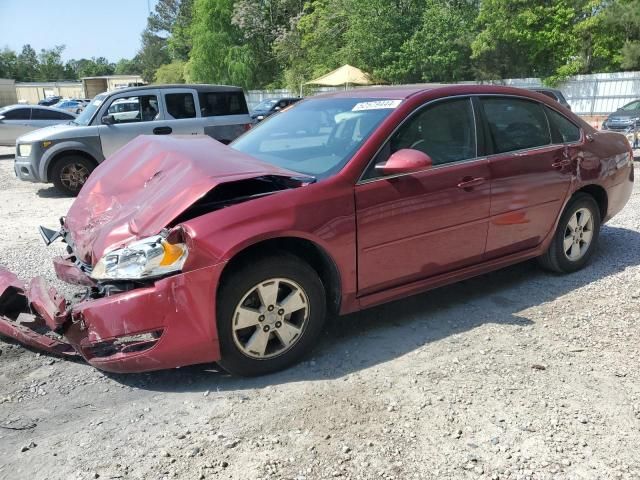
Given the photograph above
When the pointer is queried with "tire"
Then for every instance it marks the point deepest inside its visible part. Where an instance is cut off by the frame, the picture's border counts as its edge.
(289, 334)
(558, 258)
(70, 172)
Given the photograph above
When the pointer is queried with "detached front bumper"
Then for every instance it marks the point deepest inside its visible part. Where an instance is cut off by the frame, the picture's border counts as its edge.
(168, 324)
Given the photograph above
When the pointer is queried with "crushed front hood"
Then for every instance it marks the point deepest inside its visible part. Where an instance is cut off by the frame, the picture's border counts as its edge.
(148, 183)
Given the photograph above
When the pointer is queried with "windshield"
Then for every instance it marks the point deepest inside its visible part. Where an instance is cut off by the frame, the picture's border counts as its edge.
(316, 137)
(87, 114)
(266, 104)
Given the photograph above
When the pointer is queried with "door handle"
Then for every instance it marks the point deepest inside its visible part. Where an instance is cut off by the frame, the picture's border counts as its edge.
(162, 130)
(562, 163)
(470, 182)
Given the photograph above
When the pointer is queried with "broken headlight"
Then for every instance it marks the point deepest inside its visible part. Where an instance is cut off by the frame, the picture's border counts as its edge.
(147, 258)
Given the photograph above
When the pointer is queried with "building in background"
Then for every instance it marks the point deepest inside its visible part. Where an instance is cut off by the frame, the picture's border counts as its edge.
(89, 87)
(7, 92)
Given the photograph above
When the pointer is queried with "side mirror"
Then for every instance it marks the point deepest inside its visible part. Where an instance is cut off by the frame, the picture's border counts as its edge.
(406, 160)
(108, 120)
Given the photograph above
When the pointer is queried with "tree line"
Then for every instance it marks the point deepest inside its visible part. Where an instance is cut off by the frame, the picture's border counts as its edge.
(284, 43)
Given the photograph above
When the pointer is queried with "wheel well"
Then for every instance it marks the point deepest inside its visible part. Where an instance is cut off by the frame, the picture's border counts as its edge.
(64, 153)
(600, 196)
(307, 251)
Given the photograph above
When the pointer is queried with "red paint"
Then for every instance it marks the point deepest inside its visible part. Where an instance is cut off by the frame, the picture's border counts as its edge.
(387, 238)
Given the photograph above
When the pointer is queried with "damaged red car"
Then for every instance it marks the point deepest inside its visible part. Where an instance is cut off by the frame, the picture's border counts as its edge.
(190, 251)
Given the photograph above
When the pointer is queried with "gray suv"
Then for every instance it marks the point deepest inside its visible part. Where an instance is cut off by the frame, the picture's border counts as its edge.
(66, 154)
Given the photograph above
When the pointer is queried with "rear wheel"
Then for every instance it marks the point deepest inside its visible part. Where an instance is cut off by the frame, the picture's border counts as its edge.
(270, 313)
(576, 237)
(70, 173)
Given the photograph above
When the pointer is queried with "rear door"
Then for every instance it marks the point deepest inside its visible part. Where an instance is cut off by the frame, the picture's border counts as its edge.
(16, 122)
(134, 113)
(225, 114)
(422, 224)
(182, 111)
(531, 174)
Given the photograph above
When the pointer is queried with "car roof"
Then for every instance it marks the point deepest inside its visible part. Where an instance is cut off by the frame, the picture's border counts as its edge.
(200, 87)
(38, 107)
(400, 92)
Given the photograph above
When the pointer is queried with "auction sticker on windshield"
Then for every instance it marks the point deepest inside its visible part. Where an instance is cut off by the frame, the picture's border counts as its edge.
(375, 105)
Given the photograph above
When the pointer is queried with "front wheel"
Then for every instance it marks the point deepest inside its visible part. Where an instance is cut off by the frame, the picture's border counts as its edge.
(70, 173)
(576, 237)
(270, 313)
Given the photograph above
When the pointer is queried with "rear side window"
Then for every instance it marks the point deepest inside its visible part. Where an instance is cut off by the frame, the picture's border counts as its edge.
(562, 130)
(180, 105)
(18, 114)
(515, 124)
(41, 114)
(213, 104)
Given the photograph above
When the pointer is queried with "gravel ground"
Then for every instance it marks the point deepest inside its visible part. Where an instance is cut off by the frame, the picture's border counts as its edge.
(518, 374)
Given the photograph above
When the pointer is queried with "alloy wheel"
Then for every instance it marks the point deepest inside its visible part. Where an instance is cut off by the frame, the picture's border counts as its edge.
(270, 318)
(578, 234)
(73, 176)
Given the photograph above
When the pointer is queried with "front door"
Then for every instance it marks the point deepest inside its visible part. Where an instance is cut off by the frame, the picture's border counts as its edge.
(16, 122)
(531, 172)
(417, 225)
(132, 115)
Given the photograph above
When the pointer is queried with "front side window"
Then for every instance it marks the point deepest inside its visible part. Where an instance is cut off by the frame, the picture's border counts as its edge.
(213, 104)
(445, 131)
(515, 124)
(562, 130)
(141, 108)
(318, 137)
(180, 105)
(17, 114)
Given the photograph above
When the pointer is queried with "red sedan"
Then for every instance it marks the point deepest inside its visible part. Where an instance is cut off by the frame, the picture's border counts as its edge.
(192, 251)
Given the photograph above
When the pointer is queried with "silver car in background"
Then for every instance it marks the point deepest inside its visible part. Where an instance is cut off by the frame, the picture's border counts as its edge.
(66, 155)
(16, 120)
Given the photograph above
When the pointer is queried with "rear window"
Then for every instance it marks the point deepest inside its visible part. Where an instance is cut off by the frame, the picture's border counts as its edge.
(213, 104)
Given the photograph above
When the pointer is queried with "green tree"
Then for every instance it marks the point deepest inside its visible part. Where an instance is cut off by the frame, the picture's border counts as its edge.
(171, 73)
(125, 66)
(440, 48)
(27, 66)
(180, 40)
(8, 63)
(50, 64)
(218, 54)
(623, 16)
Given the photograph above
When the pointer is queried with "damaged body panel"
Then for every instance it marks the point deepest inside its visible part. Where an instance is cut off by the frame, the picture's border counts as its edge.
(190, 251)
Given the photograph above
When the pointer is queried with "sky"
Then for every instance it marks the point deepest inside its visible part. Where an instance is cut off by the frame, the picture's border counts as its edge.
(88, 28)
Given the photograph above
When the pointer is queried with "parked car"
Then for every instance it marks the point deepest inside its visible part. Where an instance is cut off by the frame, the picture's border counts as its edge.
(16, 120)
(75, 106)
(624, 120)
(49, 101)
(270, 106)
(65, 156)
(192, 251)
(554, 93)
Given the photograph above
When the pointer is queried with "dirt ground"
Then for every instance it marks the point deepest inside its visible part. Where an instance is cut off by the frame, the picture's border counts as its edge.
(518, 374)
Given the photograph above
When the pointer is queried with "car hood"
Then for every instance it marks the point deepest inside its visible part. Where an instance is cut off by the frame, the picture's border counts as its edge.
(60, 131)
(147, 184)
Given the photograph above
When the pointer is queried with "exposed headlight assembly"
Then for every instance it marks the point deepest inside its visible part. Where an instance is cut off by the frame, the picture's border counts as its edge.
(143, 259)
(24, 149)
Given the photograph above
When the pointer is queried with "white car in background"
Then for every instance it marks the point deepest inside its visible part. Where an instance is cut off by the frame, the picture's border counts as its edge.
(16, 120)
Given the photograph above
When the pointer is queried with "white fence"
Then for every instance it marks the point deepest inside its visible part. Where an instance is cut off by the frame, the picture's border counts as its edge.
(597, 94)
